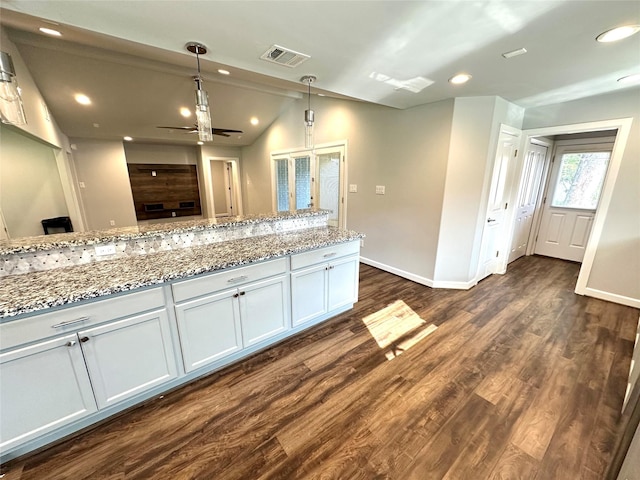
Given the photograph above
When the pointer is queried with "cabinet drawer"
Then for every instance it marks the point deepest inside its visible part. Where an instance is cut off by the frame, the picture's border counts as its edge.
(204, 285)
(44, 325)
(325, 254)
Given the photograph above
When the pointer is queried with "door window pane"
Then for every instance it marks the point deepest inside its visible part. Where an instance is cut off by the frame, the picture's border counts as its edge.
(303, 182)
(329, 184)
(580, 180)
(282, 184)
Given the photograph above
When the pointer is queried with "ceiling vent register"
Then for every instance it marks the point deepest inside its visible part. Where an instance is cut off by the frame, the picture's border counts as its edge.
(283, 56)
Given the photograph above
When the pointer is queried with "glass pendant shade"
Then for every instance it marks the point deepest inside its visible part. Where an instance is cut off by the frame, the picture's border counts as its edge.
(203, 116)
(308, 128)
(11, 108)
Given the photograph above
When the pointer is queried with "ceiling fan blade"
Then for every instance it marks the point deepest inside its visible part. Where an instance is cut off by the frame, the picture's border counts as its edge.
(225, 130)
(190, 129)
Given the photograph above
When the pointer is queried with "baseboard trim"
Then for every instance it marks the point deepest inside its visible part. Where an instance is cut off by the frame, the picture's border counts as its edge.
(396, 271)
(611, 297)
(455, 285)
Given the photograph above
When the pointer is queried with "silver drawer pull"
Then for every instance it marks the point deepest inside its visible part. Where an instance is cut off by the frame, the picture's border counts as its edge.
(329, 255)
(238, 279)
(70, 322)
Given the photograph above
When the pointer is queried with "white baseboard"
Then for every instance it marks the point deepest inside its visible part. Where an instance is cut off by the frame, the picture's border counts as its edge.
(455, 285)
(611, 297)
(396, 271)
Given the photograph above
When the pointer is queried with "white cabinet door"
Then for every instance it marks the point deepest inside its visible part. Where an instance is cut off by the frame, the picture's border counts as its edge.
(343, 282)
(308, 293)
(209, 328)
(129, 356)
(264, 309)
(42, 387)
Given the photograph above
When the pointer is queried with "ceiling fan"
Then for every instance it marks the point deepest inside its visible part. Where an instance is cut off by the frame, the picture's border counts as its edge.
(223, 132)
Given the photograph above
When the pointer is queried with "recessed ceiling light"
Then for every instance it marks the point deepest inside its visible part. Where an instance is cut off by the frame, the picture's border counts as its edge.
(127, 138)
(514, 53)
(200, 143)
(50, 31)
(96, 125)
(222, 71)
(82, 99)
(254, 121)
(629, 79)
(460, 79)
(618, 33)
(185, 112)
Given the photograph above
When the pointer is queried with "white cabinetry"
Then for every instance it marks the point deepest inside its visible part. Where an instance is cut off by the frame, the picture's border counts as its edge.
(323, 280)
(50, 362)
(42, 387)
(129, 356)
(215, 321)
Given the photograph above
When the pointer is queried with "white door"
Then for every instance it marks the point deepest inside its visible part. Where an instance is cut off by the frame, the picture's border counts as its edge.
(329, 194)
(577, 177)
(42, 387)
(532, 173)
(128, 357)
(493, 233)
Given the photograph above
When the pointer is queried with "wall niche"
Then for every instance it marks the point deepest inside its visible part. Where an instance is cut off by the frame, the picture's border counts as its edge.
(164, 191)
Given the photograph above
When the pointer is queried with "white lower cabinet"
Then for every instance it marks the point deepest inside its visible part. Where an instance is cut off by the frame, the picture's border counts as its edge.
(322, 281)
(129, 356)
(42, 387)
(220, 322)
(209, 329)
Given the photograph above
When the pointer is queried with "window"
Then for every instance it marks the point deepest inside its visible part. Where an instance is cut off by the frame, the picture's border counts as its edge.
(580, 180)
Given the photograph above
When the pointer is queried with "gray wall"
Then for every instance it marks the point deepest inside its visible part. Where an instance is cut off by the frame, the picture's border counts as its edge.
(102, 167)
(165, 154)
(404, 150)
(616, 267)
(30, 186)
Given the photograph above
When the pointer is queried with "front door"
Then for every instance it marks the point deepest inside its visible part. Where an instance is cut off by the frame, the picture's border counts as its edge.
(532, 172)
(577, 177)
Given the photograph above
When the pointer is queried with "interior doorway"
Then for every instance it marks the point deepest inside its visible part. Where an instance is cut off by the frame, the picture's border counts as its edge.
(222, 192)
(622, 127)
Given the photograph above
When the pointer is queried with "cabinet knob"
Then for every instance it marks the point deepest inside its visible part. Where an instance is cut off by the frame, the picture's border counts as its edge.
(242, 293)
(235, 295)
(84, 339)
(71, 343)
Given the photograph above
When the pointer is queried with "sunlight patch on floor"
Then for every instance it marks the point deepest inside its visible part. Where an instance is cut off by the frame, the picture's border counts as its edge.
(396, 328)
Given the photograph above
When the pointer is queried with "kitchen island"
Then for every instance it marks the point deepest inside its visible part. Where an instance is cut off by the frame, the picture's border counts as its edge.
(83, 342)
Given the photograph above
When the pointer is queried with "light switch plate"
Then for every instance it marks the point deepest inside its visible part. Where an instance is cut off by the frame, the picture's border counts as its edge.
(353, 188)
(379, 189)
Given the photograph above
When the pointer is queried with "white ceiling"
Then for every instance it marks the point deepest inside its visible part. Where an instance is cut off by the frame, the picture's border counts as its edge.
(130, 57)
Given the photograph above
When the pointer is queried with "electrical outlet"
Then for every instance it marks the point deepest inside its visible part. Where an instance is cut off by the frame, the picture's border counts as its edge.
(353, 188)
(112, 223)
(105, 250)
(379, 189)
(82, 185)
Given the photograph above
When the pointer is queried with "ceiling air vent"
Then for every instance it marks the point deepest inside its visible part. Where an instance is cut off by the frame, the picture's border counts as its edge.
(284, 56)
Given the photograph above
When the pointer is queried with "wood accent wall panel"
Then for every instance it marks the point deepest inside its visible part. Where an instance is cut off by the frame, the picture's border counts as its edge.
(164, 191)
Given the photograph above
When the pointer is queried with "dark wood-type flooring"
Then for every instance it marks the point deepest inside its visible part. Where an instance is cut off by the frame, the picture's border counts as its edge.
(517, 378)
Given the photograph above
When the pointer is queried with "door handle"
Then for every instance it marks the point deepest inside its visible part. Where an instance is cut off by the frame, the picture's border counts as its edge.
(491, 220)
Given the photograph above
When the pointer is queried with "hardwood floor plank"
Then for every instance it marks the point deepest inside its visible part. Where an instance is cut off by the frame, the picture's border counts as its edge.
(521, 379)
(514, 464)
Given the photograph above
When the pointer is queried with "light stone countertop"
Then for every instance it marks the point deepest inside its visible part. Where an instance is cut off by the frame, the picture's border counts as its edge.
(59, 240)
(37, 291)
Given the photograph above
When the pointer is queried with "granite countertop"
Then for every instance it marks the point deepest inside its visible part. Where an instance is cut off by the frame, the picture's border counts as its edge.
(59, 240)
(36, 291)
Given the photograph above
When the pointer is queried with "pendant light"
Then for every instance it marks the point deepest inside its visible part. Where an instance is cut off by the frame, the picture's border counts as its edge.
(203, 114)
(11, 108)
(308, 113)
